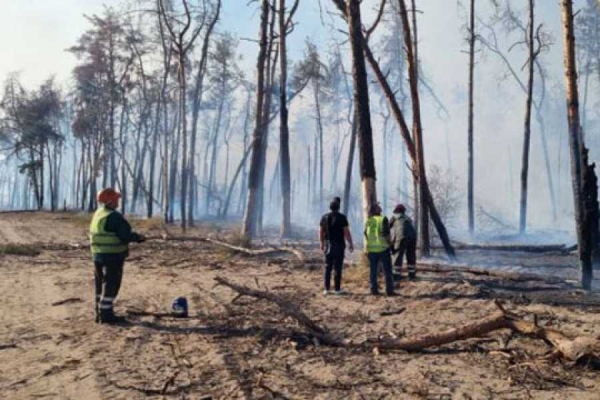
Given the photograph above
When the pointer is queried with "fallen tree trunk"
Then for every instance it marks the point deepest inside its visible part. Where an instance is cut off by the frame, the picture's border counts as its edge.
(239, 249)
(531, 248)
(581, 348)
(436, 268)
(475, 329)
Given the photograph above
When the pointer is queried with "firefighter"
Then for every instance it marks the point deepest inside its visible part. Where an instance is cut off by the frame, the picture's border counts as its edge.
(110, 235)
(404, 241)
(377, 246)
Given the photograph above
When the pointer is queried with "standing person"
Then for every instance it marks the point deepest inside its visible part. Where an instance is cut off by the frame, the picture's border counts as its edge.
(404, 241)
(110, 235)
(334, 232)
(377, 244)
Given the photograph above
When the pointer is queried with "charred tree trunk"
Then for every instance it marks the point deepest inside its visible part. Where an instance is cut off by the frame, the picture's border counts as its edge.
(404, 131)
(196, 103)
(308, 181)
(585, 190)
(471, 166)
(350, 166)
(284, 132)
(247, 121)
(270, 76)
(417, 133)
(317, 91)
(362, 107)
(252, 202)
(184, 146)
(527, 134)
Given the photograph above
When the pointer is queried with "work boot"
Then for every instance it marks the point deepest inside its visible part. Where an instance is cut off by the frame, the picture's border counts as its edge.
(412, 272)
(109, 317)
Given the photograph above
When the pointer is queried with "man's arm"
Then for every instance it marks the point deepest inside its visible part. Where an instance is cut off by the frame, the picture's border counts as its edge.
(118, 224)
(322, 238)
(386, 231)
(348, 237)
(393, 230)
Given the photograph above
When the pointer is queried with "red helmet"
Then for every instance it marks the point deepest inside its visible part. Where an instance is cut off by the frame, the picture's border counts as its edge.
(108, 196)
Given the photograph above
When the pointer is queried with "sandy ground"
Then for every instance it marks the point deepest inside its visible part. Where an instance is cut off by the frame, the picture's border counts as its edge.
(242, 348)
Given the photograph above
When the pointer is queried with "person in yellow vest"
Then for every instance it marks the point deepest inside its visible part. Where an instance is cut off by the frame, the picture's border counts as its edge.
(377, 246)
(110, 235)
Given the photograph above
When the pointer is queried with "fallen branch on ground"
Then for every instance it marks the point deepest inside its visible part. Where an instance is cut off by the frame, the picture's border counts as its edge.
(392, 312)
(239, 249)
(67, 301)
(526, 248)
(581, 348)
(286, 307)
(259, 252)
(518, 277)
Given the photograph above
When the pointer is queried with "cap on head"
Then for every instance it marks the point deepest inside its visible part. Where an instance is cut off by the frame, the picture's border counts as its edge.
(108, 196)
(337, 200)
(400, 209)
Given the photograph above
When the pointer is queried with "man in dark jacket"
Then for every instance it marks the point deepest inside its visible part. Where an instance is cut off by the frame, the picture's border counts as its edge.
(110, 235)
(334, 232)
(404, 241)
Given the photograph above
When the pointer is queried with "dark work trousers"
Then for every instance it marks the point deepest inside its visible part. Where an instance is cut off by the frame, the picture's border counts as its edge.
(407, 247)
(334, 260)
(386, 260)
(108, 277)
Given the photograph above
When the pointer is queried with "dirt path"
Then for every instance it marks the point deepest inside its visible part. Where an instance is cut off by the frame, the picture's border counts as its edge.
(240, 348)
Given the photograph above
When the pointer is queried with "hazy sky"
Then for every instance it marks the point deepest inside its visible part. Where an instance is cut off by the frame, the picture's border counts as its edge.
(35, 33)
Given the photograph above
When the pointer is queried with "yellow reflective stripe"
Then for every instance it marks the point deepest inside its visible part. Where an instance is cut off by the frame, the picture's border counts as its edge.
(102, 241)
(376, 242)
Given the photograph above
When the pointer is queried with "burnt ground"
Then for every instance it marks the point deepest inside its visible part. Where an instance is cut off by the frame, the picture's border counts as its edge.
(234, 347)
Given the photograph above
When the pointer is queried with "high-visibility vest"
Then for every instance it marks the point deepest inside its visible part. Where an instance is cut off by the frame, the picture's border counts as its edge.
(101, 241)
(376, 242)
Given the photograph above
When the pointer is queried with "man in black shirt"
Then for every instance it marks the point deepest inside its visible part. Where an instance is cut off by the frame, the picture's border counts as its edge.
(333, 235)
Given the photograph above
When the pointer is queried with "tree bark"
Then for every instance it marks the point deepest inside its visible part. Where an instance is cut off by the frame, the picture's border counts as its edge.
(196, 102)
(417, 133)
(362, 108)
(471, 166)
(527, 134)
(249, 225)
(350, 165)
(404, 131)
(585, 196)
(284, 132)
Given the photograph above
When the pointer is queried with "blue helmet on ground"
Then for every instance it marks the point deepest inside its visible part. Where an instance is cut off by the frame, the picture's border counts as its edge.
(180, 307)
